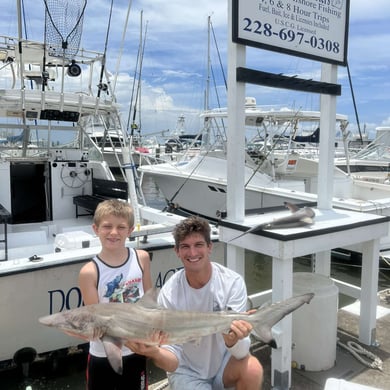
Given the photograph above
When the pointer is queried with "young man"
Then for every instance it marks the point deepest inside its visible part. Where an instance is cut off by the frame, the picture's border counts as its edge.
(116, 274)
(218, 361)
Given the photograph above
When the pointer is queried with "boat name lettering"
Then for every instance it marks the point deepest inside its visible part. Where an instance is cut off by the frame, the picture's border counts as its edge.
(64, 300)
(163, 277)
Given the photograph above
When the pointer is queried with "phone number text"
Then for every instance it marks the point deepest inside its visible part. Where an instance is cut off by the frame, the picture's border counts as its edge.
(289, 35)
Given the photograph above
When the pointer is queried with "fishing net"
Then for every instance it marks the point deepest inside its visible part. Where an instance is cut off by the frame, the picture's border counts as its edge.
(63, 26)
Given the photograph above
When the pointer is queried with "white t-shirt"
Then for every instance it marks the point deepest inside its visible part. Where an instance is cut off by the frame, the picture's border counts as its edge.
(225, 290)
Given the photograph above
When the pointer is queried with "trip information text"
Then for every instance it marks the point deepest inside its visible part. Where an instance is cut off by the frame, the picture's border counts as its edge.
(310, 28)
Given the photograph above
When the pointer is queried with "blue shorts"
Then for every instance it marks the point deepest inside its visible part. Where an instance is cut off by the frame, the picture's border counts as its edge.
(185, 379)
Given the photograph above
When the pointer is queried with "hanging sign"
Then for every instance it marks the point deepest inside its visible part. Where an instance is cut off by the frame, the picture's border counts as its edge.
(314, 29)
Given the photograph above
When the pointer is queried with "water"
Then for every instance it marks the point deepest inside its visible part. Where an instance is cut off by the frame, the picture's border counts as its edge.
(69, 371)
(153, 196)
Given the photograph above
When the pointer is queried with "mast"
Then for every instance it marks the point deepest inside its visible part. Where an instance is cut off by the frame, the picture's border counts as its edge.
(26, 132)
(207, 93)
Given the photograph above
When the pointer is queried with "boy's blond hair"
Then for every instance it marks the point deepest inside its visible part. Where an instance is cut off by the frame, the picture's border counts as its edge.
(115, 207)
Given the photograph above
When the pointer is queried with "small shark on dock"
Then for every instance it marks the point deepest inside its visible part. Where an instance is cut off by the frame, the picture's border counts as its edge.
(299, 217)
(115, 323)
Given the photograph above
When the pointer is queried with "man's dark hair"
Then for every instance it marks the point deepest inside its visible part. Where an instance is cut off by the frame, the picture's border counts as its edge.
(193, 224)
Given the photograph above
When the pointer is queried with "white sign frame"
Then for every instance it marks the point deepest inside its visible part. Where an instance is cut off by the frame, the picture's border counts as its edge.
(313, 29)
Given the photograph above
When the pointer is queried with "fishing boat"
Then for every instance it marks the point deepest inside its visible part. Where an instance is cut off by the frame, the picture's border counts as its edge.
(111, 142)
(280, 174)
(53, 175)
(371, 163)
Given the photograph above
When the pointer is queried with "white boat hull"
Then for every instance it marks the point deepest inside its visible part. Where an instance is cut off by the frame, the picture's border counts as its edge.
(200, 187)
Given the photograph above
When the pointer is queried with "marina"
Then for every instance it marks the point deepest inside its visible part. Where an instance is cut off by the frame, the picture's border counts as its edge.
(55, 173)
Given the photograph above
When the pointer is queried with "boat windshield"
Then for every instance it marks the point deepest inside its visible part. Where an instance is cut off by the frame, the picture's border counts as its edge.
(40, 140)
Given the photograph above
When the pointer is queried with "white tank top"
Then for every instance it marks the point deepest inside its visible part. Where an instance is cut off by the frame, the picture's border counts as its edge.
(117, 284)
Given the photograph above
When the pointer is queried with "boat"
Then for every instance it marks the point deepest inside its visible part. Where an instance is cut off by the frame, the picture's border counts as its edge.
(371, 163)
(199, 186)
(111, 142)
(178, 143)
(53, 175)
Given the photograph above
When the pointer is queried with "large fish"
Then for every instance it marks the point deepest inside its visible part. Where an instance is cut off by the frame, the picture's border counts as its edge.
(115, 323)
(299, 217)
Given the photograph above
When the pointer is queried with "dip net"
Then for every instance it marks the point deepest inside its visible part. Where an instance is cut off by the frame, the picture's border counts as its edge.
(63, 26)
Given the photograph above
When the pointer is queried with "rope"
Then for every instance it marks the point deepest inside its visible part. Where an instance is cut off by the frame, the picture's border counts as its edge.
(356, 350)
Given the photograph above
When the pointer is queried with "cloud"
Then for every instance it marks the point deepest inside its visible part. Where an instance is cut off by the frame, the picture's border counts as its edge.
(174, 72)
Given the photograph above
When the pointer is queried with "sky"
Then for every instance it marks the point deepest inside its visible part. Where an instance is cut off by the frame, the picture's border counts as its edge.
(175, 59)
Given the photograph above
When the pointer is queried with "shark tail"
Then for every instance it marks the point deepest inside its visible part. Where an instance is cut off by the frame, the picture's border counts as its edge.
(267, 316)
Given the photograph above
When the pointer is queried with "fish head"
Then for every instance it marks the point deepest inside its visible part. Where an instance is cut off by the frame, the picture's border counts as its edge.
(79, 323)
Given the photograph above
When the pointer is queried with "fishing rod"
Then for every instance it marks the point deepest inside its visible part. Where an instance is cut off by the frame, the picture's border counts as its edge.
(138, 93)
(354, 102)
(101, 86)
(121, 47)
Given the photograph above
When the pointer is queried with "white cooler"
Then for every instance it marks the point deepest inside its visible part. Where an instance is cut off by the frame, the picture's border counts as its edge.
(314, 326)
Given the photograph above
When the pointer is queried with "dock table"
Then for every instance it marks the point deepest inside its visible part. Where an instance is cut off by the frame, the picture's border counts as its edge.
(331, 229)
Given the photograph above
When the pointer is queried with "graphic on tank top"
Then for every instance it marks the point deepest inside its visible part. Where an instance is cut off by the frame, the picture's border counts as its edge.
(112, 286)
(123, 291)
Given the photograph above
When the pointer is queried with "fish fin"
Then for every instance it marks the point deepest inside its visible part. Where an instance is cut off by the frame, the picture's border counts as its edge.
(266, 317)
(149, 299)
(264, 333)
(113, 349)
(272, 344)
(292, 207)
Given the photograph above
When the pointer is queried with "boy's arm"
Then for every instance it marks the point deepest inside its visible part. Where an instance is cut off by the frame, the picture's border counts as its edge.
(144, 260)
(88, 283)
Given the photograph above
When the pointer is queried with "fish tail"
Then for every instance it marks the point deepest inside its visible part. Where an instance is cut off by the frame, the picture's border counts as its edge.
(267, 316)
(261, 329)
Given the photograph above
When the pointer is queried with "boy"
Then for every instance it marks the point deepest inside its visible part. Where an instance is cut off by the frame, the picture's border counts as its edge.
(116, 274)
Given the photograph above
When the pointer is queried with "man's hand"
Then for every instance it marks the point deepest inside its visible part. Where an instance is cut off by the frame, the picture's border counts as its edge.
(239, 329)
